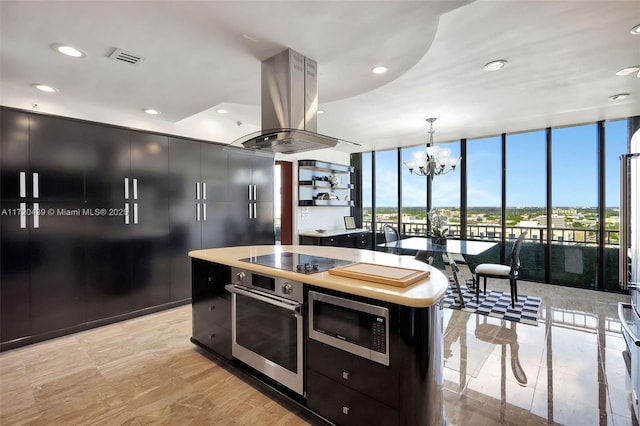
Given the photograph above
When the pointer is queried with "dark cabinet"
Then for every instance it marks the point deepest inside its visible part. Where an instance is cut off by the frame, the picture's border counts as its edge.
(360, 239)
(98, 220)
(197, 205)
(127, 178)
(212, 306)
(250, 195)
(43, 268)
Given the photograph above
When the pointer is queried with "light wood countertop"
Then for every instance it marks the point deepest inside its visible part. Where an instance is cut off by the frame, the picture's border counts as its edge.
(421, 294)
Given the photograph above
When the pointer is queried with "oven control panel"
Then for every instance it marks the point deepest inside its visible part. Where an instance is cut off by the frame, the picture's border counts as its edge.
(276, 286)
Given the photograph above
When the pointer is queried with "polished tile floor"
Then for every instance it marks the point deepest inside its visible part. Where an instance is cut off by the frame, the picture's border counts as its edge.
(566, 370)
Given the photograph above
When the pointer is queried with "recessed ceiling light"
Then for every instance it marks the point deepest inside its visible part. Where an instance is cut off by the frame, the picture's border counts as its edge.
(495, 65)
(320, 111)
(379, 70)
(222, 111)
(65, 49)
(619, 96)
(44, 87)
(151, 111)
(629, 70)
(635, 30)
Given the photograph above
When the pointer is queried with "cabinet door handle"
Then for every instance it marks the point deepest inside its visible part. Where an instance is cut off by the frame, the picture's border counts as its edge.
(126, 213)
(36, 186)
(197, 212)
(23, 184)
(250, 211)
(135, 188)
(204, 191)
(198, 191)
(126, 188)
(36, 215)
(23, 215)
(255, 193)
(135, 213)
(204, 212)
(346, 409)
(250, 193)
(346, 374)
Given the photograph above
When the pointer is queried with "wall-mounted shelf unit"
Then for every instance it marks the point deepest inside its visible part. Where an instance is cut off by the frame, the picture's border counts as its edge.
(324, 184)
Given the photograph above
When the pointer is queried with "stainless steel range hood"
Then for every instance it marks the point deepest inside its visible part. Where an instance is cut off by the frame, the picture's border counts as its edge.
(289, 107)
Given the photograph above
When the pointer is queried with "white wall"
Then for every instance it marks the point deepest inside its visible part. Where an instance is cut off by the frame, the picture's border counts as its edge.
(311, 218)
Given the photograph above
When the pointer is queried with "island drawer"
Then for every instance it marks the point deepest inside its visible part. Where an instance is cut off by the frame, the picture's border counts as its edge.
(345, 406)
(378, 381)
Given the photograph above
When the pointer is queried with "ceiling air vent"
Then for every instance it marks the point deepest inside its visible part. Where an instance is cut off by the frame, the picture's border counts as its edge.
(124, 56)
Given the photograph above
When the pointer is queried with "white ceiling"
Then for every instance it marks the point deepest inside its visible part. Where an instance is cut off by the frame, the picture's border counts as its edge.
(200, 55)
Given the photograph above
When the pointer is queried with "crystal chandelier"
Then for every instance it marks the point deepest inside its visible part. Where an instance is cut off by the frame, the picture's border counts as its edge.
(434, 160)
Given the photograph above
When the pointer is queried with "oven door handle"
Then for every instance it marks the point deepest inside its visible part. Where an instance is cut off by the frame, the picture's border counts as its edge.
(294, 307)
(625, 324)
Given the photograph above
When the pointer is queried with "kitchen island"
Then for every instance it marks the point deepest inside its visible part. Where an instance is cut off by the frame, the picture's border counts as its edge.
(348, 350)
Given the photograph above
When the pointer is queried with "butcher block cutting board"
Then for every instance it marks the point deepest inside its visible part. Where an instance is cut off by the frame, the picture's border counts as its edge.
(382, 274)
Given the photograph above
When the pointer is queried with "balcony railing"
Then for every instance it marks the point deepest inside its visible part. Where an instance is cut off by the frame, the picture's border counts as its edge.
(574, 252)
(494, 232)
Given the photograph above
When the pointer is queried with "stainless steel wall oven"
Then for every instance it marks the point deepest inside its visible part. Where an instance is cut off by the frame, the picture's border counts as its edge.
(267, 326)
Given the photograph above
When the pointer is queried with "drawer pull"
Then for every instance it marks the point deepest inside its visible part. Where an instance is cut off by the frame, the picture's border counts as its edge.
(212, 308)
(346, 374)
(211, 336)
(210, 279)
(346, 409)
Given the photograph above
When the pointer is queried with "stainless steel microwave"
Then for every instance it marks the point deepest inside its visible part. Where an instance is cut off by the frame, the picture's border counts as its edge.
(356, 327)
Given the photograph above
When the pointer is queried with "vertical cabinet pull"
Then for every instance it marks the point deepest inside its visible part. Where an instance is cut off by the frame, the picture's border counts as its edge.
(36, 215)
(204, 190)
(197, 212)
(126, 188)
(198, 195)
(23, 215)
(255, 193)
(135, 213)
(204, 212)
(135, 188)
(36, 186)
(23, 184)
(126, 213)
(250, 194)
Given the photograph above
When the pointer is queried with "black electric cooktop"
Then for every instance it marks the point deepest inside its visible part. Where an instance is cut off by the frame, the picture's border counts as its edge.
(303, 263)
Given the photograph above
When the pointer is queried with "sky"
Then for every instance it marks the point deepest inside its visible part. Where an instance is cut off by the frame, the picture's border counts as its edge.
(574, 170)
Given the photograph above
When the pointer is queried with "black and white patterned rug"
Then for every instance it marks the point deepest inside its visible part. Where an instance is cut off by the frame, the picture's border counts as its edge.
(496, 304)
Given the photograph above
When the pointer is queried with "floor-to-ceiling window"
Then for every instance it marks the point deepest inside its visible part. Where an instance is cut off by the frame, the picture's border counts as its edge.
(574, 214)
(414, 196)
(367, 190)
(386, 189)
(445, 193)
(484, 189)
(616, 140)
(526, 199)
(561, 185)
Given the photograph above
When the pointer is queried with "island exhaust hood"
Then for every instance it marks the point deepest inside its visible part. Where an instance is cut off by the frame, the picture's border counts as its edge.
(289, 107)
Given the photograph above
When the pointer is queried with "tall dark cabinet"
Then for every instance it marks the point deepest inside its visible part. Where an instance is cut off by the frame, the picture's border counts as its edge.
(42, 183)
(250, 198)
(97, 221)
(198, 205)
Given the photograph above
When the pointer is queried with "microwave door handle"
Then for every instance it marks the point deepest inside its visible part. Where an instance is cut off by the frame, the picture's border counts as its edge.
(291, 306)
(625, 324)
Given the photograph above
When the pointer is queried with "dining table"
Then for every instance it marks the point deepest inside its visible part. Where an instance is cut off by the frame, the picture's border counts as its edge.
(449, 248)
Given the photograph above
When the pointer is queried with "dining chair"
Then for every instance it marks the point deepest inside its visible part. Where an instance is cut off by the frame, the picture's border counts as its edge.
(390, 235)
(499, 271)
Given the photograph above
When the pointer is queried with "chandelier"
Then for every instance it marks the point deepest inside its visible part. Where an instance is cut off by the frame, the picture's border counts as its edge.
(434, 160)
